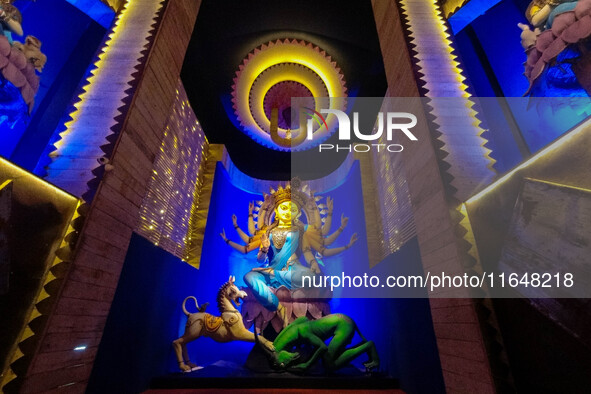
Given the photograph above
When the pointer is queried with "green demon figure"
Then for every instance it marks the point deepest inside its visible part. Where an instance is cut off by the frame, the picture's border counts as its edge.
(315, 333)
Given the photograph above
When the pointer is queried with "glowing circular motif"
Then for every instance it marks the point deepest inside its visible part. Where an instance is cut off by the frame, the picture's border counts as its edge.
(275, 78)
(273, 74)
(279, 96)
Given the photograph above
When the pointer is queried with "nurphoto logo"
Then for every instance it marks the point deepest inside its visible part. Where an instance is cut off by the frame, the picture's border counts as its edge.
(394, 122)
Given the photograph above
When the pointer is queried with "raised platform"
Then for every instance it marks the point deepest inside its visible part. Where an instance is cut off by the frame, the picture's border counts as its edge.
(224, 375)
(268, 391)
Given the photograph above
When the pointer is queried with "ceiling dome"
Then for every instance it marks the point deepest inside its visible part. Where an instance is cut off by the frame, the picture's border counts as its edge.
(287, 75)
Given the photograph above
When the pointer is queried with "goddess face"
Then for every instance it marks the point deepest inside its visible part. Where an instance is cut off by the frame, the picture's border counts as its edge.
(287, 211)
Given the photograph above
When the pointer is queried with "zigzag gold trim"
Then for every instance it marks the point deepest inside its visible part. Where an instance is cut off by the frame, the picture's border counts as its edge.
(469, 237)
(443, 78)
(27, 332)
(450, 7)
(102, 96)
(212, 154)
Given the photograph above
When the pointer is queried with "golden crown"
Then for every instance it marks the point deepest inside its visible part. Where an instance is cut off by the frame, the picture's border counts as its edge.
(291, 192)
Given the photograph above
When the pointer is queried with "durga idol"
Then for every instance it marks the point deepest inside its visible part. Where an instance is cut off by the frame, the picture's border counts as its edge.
(283, 240)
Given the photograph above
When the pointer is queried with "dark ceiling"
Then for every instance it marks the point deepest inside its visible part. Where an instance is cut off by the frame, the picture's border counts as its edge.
(227, 30)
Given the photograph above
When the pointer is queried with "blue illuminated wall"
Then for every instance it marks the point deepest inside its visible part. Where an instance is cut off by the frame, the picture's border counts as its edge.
(145, 317)
(146, 313)
(498, 34)
(70, 39)
(492, 55)
(219, 261)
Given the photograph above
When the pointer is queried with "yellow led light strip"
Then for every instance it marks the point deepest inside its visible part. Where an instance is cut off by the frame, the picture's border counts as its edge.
(581, 189)
(32, 187)
(34, 312)
(443, 79)
(568, 137)
(95, 113)
(18, 173)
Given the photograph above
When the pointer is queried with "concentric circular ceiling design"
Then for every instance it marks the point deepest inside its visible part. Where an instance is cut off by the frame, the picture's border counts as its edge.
(275, 73)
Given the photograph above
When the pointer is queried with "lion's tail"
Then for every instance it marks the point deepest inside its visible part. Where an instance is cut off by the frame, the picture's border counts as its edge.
(185, 301)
